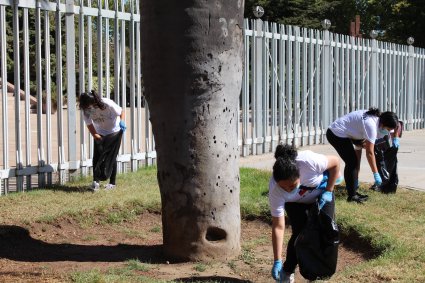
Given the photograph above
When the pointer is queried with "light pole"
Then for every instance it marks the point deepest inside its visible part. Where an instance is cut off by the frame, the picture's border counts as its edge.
(258, 11)
(326, 24)
(373, 34)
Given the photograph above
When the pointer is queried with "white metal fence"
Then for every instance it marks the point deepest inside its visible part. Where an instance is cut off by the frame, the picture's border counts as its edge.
(64, 48)
(296, 81)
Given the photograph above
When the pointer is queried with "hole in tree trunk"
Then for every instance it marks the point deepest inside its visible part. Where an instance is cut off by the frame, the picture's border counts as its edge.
(215, 234)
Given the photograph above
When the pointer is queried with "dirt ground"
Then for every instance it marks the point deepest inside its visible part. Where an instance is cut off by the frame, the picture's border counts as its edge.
(40, 252)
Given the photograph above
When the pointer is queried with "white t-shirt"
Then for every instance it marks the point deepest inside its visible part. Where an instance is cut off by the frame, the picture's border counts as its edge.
(104, 121)
(356, 125)
(311, 166)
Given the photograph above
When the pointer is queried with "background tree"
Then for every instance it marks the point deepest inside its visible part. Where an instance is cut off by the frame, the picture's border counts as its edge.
(307, 13)
(398, 18)
(192, 66)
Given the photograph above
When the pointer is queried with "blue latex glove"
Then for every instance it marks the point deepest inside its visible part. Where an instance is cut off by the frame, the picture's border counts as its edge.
(325, 197)
(339, 180)
(277, 268)
(123, 127)
(324, 183)
(377, 177)
(396, 142)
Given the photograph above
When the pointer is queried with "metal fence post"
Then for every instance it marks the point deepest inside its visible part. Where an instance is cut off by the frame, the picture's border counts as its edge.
(59, 92)
(5, 127)
(17, 94)
(326, 99)
(258, 92)
(39, 82)
(74, 163)
(410, 84)
(374, 72)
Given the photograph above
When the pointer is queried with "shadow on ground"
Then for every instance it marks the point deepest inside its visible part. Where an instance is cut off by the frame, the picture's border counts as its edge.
(68, 189)
(351, 240)
(218, 279)
(17, 244)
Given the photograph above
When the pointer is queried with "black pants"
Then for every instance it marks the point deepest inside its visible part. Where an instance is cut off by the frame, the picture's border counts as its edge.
(298, 214)
(345, 149)
(105, 152)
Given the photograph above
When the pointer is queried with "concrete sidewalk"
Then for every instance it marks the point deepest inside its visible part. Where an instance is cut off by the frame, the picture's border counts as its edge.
(411, 160)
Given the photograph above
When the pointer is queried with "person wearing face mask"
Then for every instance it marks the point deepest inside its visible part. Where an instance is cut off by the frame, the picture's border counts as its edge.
(105, 122)
(351, 133)
(299, 179)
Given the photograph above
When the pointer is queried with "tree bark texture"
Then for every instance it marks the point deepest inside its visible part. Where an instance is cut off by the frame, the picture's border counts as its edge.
(192, 72)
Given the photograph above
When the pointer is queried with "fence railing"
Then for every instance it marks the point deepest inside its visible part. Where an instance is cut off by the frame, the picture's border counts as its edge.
(296, 81)
(50, 52)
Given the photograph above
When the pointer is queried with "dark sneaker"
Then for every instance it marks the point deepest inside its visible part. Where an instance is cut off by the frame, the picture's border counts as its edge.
(376, 188)
(356, 199)
(95, 186)
(362, 196)
(287, 277)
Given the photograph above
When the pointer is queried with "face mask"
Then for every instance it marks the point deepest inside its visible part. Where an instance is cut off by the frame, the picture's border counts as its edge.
(295, 191)
(383, 131)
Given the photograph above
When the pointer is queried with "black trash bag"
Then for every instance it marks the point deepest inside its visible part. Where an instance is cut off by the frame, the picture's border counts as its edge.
(108, 149)
(386, 161)
(316, 246)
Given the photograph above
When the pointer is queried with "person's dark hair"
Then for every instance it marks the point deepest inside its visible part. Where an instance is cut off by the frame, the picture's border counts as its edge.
(285, 151)
(285, 169)
(388, 119)
(87, 99)
(373, 112)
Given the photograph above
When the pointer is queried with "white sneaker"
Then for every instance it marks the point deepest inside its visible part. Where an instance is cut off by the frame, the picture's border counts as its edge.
(95, 186)
(287, 277)
(109, 187)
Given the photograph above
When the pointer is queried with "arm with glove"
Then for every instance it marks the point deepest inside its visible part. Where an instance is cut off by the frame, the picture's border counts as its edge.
(370, 155)
(123, 127)
(334, 175)
(396, 135)
(278, 230)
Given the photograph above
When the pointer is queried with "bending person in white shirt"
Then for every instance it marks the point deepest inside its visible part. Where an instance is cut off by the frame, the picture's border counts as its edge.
(105, 121)
(354, 131)
(298, 180)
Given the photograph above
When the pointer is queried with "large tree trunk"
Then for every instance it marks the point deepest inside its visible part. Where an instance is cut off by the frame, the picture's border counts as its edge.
(192, 71)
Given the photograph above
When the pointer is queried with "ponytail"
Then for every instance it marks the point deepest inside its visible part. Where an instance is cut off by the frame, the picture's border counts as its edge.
(87, 99)
(285, 151)
(373, 112)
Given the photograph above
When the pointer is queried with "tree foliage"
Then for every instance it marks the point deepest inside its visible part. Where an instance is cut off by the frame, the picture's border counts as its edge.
(11, 33)
(398, 18)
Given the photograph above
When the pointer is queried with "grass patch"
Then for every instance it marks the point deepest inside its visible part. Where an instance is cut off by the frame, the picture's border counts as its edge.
(136, 265)
(200, 267)
(120, 275)
(155, 229)
(132, 197)
(394, 226)
(254, 194)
